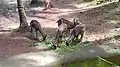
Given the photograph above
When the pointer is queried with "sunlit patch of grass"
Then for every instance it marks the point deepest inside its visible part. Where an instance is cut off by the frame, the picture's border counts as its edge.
(64, 49)
(73, 47)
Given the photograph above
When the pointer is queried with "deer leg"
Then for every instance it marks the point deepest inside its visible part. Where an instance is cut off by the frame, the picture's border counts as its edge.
(82, 34)
(42, 33)
(36, 34)
(32, 31)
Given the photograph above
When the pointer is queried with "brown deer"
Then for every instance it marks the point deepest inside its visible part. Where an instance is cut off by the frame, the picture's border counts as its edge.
(64, 26)
(34, 24)
(78, 30)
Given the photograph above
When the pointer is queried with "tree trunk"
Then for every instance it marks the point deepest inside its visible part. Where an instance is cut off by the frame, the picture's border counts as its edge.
(22, 15)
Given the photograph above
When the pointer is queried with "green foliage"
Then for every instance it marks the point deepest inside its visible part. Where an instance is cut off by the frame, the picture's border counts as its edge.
(63, 49)
(75, 46)
(100, 62)
(47, 42)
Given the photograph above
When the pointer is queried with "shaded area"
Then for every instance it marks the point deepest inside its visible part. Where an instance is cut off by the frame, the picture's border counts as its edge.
(99, 62)
(114, 59)
(15, 43)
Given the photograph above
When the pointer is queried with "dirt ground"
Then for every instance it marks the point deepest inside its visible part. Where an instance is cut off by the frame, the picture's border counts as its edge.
(99, 25)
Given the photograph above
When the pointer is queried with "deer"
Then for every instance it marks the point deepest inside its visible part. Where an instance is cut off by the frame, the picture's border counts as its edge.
(34, 24)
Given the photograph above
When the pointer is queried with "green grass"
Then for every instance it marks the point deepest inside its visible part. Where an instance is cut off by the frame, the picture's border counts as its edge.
(75, 46)
(99, 62)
